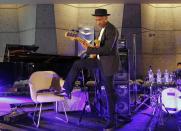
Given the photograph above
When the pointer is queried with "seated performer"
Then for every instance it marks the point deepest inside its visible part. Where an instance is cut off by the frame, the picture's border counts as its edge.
(178, 71)
(107, 61)
(178, 74)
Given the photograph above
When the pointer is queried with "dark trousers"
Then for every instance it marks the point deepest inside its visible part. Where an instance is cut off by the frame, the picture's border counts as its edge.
(107, 80)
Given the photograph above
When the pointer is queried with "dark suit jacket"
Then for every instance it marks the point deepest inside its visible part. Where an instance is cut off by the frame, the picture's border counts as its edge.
(109, 60)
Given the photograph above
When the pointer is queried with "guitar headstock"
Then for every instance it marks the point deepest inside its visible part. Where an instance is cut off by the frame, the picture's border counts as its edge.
(71, 35)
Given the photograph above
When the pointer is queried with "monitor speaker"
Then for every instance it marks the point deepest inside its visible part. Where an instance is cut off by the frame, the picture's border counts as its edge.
(122, 91)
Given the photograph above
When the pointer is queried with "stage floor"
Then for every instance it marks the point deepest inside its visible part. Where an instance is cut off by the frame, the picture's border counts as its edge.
(140, 121)
(5, 103)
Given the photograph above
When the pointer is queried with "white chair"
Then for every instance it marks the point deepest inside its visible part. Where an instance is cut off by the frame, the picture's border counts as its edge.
(42, 80)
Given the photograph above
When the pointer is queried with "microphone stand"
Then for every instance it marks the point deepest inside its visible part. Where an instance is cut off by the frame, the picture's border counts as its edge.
(134, 69)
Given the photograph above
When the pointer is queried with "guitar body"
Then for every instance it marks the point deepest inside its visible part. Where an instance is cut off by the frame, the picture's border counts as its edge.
(97, 45)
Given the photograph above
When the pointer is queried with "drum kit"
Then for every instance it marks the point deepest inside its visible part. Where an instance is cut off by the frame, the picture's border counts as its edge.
(164, 93)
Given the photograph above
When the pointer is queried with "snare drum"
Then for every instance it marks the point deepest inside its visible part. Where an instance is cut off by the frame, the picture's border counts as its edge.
(171, 98)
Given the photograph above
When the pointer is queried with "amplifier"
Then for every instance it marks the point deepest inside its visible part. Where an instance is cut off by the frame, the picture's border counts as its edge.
(122, 95)
(121, 76)
(122, 91)
(123, 71)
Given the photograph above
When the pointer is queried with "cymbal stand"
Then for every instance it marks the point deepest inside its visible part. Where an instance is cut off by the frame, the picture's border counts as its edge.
(150, 96)
(157, 110)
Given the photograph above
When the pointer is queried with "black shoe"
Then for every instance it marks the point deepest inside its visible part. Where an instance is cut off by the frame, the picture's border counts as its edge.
(68, 95)
(65, 94)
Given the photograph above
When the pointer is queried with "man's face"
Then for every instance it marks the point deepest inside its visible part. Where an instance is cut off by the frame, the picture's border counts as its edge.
(101, 21)
(178, 66)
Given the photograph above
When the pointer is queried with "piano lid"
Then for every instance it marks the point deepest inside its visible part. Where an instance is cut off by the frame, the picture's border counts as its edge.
(14, 50)
(27, 54)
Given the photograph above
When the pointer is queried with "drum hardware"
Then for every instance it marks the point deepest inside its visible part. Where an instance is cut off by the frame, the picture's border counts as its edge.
(159, 107)
(135, 85)
(164, 95)
(155, 97)
(150, 96)
(147, 97)
(155, 86)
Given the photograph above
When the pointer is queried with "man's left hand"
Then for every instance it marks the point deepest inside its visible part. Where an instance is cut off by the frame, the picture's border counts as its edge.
(84, 44)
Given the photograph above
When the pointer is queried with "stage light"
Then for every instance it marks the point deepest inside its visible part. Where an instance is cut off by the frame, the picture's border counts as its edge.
(86, 31)
(166, 5)
(87, 5)
(8, 6)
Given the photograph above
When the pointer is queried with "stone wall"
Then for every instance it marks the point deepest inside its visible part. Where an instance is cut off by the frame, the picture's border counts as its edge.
(8, 27)
(45, 34)
(161, 38)
(65, 19)
(26, 24)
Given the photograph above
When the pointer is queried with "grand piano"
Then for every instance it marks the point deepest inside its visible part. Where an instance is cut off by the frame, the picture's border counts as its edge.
(20, 61)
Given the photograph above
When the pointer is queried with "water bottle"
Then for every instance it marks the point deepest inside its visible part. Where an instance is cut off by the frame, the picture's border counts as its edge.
(150, 76)
(159, 76)
(166, 76)
(171, 77)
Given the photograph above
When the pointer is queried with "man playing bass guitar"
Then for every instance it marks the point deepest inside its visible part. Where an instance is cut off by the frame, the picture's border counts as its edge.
(107, 61)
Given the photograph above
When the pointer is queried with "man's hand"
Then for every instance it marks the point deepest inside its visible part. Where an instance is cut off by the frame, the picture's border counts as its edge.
(84, 44)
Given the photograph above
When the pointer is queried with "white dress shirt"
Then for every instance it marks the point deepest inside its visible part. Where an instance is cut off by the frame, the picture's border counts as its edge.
(99, 38)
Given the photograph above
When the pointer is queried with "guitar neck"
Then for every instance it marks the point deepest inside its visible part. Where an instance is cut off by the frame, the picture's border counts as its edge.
(81, 40)
(73, 36)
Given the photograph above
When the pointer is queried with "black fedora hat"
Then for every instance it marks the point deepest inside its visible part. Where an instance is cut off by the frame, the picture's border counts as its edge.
(100, 12)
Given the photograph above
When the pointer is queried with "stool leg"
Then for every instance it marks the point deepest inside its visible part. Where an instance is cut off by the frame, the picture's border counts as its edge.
(85, 105)
(83, 112)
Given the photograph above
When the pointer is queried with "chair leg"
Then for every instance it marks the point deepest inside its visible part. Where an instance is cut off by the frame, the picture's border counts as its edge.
(56, 108)
(65, 113)
(39, 115)
(34, 113)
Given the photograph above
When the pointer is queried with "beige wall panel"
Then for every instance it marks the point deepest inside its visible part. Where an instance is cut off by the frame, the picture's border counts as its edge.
(116, 11)
(146, 61)
(65, 16)
(65, 19)
(8, 27)
(161, 62)
(85, 17)
(164, 19)
(177, 18)
(178, 41)
(148, 16)
(147, 42)
(64, 45)
(164, 42)
(27, 37)
(27, 17)
(27, 23)
(8, 20)
(178, 59)
(164, 62)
